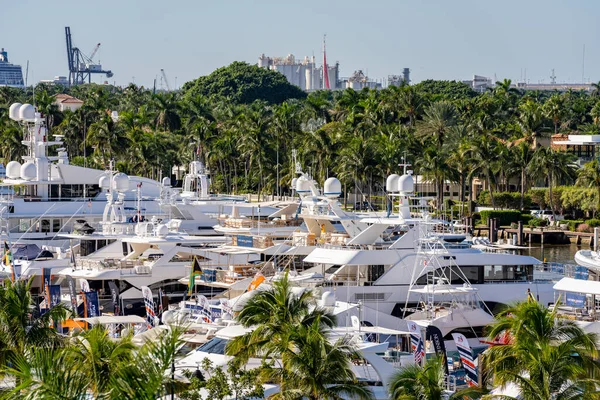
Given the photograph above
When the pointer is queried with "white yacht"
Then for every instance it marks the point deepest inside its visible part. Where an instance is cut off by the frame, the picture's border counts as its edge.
(45, 195)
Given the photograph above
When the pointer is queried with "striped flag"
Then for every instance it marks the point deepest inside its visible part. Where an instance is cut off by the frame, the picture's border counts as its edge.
(149, 305)
(416, 341)
(7, 260)
(466, 357)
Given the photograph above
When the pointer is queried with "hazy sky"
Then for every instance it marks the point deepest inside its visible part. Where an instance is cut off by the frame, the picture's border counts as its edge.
(439, 39)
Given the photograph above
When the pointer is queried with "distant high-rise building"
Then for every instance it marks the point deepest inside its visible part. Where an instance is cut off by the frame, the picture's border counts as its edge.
(303, 73)
(10, 74)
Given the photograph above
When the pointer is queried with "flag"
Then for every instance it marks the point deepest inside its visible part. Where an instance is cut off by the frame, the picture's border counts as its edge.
(114, 294)
(54, 291)
(92, 305)
(258, 279)
(85, 286)
(73, 262)
(434, 334)
(149, 305)
(196, 271)
(7, 260)
(46, 274)
(416, 341)
(73, 294)
(466, 357)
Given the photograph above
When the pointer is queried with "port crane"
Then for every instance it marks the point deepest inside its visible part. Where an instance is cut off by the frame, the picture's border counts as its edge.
(164, 77)
(81, 67)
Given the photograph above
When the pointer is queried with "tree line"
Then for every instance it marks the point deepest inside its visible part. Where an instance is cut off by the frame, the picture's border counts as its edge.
(245, 132)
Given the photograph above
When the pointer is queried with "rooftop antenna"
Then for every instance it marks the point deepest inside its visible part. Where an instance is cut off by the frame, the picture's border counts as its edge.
(404, 163)
(553, 77)
(583, 65)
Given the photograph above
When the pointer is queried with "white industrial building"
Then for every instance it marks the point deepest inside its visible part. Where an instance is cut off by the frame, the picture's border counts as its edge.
(303, 73)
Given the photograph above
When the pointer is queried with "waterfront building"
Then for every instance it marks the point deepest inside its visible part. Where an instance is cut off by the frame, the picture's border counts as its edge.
(58, 80)
(10, 74)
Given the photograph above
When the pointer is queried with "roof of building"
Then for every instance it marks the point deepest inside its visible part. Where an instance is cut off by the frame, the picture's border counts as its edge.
(65, 98)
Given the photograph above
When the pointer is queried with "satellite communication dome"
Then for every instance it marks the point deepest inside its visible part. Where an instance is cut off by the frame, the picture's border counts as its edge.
(391, 183)
(13, 170)
(166, 181)
(26, 112)
(28, 171)
(302, 185)
(332, 188)
(294, 183)
(13, 111)
(406, 184)
(121, 182)
(104, 182)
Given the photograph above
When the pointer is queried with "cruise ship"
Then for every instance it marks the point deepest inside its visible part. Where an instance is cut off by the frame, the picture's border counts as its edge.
(10, 74)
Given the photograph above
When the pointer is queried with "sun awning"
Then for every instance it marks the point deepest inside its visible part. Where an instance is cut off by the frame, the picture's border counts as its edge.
(113, 319)
(577, 286)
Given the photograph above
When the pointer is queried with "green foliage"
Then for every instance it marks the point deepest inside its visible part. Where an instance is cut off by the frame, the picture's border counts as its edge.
(504, 217)
(537, 222)
(538, 196)
(510, 200)
(240, 82)
(445, 90)
(572, 224)
(547, 357)
(593, 223)
(414, 382)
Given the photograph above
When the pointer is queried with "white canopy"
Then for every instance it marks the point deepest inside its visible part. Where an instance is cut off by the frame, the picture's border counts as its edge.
(577, 286)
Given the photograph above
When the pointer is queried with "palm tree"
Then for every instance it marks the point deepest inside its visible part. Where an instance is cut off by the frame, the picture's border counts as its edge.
(589, 176)
(438, 119)
(291, 329)
(99, 357)
(415, 382)
(553, 167)
(46, 373)
(21, 327)
(554, 108)
(547, 357)
(532, 123)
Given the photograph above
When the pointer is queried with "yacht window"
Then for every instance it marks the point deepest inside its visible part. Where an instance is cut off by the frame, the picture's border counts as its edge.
(55, 192)
(91, 191)
(24, 225)
(214, 346)
(56, 225)
(45, 225)
(457, 275)
(518, 273)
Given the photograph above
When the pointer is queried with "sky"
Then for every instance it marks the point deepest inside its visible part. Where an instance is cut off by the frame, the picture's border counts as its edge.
(436, 39)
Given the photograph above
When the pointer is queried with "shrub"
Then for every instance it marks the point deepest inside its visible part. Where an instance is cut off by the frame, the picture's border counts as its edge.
(572, 223)
(504, 199)
(538, 222)
(505, 217)
(593, 223)
(584, 228)
(526, 218)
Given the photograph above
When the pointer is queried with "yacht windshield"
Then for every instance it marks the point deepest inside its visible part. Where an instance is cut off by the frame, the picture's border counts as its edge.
(214, 346)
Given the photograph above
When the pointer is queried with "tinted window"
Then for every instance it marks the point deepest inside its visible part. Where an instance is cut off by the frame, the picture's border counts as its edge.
(214, 346)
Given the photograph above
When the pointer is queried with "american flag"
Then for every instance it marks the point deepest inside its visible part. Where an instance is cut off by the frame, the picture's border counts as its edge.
(419, 351)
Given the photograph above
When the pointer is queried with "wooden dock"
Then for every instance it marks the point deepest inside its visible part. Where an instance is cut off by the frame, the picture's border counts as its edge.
(549, 236)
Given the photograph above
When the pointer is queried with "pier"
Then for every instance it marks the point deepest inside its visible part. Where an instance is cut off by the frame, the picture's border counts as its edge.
(543, 235)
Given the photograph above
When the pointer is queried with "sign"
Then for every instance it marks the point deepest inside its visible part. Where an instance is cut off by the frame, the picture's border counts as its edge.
(54, 293)
(149, 305)
(73, 294)
(245, 241)
(114, 294)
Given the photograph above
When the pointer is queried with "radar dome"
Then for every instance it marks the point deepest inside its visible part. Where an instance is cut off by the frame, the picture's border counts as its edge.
(302, 185)
(406, 184)
(328, 299)
(294, 183)
(26, 112)
(121, 182)
(391, 183)
(104, 182)
(166, 181)
(332, 188)
(28, 171)
(161, 230)
(13, 170)
(13, 111)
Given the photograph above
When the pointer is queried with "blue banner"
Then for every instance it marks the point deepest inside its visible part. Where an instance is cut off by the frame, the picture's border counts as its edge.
(581, 273)
(92, 305)
(575, 300)
(54, 295)
(244, 241)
